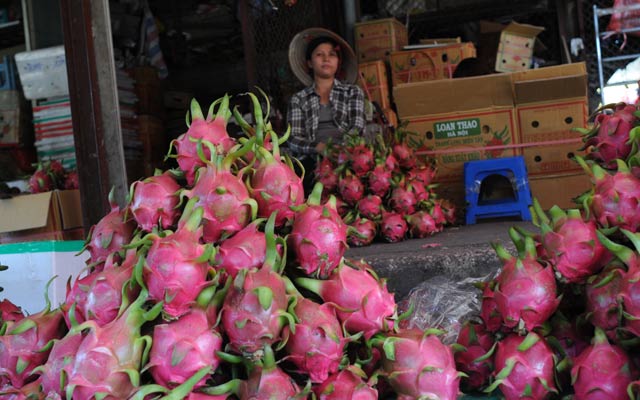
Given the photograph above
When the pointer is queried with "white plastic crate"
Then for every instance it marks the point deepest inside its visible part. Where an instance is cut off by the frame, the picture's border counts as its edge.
(43, 72)
(32, 265)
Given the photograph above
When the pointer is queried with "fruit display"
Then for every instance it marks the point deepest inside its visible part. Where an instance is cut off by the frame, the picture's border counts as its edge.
(51, 175)
(560, 320)
(218, 280)
(385, 191)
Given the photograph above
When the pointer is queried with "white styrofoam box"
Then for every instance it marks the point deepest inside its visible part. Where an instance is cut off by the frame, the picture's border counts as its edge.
(43, 72)
(32, 265)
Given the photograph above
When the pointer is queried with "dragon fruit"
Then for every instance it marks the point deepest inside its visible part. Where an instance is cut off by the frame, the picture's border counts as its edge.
(346, 384)
(53, 373)
(421, 224)
(350, 188)
(41, 181)
(213, 131)
(403, 199)
(423, 173)
(30, 391)
(438, 215)
(255, 307)
(154, 201)
(489, 308)
(362, 232)
(361, 159)
(525, 291)
(418, 365)
(602, 371)
(602, 293)
(379, 180)
(614, 199)
(370, 206)
(571, 243)
(405, 155)
(224, 197)
(72, 181)
(177, 265)
(362, 301)
(109, 358)
(244, 250)
(471, 354)
(184, 391)
(524, 368)
(393, 227)
(325, 173)
(317, 343)
(110, 234)
(9, 311)
(24, 344)
(98, 296)
(318, 236)
(182, 347)
(610, 137)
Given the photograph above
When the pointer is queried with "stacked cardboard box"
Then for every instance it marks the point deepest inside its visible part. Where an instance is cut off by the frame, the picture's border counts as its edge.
(529, 113)
(54, 131)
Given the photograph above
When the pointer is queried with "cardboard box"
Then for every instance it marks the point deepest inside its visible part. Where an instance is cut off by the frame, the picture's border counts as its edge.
(483, 116)
(429, 63)
(32, 265)
(515, 48)
(559, 189)
(55, 215)
(549, 103)
(441, 41)
(373, 79)
(375, 40)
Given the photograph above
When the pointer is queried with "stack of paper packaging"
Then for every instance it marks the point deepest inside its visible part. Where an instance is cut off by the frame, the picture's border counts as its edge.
(54, 131)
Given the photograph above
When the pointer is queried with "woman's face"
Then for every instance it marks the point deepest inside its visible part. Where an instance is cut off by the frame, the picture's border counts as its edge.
(324, 61)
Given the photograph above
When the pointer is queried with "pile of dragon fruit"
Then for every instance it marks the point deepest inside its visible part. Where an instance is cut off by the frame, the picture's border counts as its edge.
(563, 316)
(383, 190)
(220, 280)
(51, 175)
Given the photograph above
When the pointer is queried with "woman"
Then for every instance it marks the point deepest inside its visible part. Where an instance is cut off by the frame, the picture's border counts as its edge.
(329, 107)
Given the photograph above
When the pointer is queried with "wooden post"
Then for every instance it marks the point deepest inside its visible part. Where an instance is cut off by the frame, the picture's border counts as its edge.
(94, 105)
(249, 45)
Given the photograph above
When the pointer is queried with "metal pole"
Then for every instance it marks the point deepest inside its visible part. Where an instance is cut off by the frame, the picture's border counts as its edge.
(596, 27)
(350, 20)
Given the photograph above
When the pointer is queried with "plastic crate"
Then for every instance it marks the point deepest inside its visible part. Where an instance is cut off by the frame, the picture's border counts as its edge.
(43, 73)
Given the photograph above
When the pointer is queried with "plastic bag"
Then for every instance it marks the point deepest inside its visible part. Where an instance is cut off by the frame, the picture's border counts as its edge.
(444, 303)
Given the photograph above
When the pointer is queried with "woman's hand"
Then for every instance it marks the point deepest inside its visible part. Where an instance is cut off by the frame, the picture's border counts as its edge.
(320, 147)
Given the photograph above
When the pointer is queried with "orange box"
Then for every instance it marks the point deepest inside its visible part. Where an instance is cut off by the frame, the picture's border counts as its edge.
(559, 189)
(373, 79)
(429, 63)
(377, 39)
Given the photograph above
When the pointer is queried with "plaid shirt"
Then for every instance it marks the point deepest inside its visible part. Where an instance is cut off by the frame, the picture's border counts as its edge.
(347, 106)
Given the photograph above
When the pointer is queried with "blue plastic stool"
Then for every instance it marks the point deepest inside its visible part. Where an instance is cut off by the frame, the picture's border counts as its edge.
(512, 168)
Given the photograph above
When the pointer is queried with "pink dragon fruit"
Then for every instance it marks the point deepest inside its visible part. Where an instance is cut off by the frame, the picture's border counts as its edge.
(525, 291)
(610, 137)
(438, 215)
(30, 391)
(318, 236)
(275, 186)
(341, 206)
(489, 308)
(41, 181)
(177, 265)
(109, 358)
(154, 201)
(244, 250)
(418, 365)
(56, 169)
(362, 301)
(362, 232)
(224, 197)
(99, 296)
(380, 180)
(182, 347)
(424, 173)
(615, 199)
(361, 159)
(403, 199)
(317, 344)
(255, 307)
(570, 243)
(186, 390)
(602, 371)
(471, 355)
(421, 192)
(325, 173)
(568, 342)
(405, 155)
(524, 368)
(24, 344)
(110, 234)
(370, 206)
(266, 381)
(602, 293)
(53, 373)
(213, 131)
(9, 311)
(393, 227)
(421, 224)
(350, 188)
(346, 384)
(72, 181)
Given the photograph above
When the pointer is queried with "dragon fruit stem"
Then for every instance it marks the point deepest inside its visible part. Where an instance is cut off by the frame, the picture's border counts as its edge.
(181, 391)
(633, 237)
(226, 388)
(622, 252)
(501, 252)
(196, 111)
(259, 118)
(314, 285)
(502, 375)
(244, 125)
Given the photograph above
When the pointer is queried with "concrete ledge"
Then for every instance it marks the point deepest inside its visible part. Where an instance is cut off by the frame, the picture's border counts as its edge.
(460, 252)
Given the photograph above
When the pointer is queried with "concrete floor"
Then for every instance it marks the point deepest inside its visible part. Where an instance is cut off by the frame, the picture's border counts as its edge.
(457, 252)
